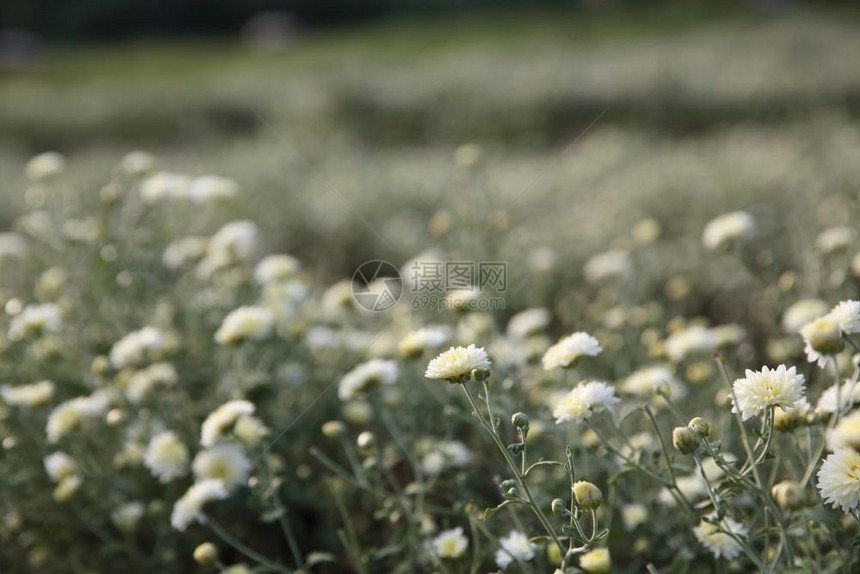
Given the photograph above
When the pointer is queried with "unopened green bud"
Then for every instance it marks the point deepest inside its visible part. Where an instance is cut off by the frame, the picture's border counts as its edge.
(520, 420)
(587, 495)
(558, 507)
(699, 426)
(206, 554)
(481, 374)
(684, 440)
(507, 485)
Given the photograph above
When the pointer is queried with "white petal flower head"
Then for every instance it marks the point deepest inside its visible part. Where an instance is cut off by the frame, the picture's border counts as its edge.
(212, 189)
(417, 342)
(529, 322)
(165, 185)
(848, 395)
(35, 320)
(136, 347)
(596, 561)
(45, 166)
(166, 457)
(276, 269)
(222, 420)
(457, 363)
(245, 323)
(801, 313)
(60, 465)
(606, 266)
(760, 390)
(694, 340)
(648, 380)
(721, 544)
(569, 350)
(847, 314)
(32, 395)
(822, 337)
(846, 433)
(190, 507)
(515, 546)
(225, 462)
(367, 377)
(835, 240)
(839, 479)
(70, 415)
(450, 543)
(584, 400)
(727, 228)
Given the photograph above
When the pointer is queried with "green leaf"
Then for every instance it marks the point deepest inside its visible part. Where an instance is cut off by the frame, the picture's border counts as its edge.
(491, 511)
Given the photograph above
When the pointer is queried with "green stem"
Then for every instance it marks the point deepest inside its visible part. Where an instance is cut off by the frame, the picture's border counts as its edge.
(237, 545)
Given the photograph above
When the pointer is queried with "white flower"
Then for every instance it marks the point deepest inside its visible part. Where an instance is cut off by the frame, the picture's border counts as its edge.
(141, 382)
(135, 348)
(211, 188)
(126, 516)
(137, 163)
(166, 456)
(849, 394)
(801, 313)
(69, 415)
(416, 342)
(457, 362)
(728, 335)
(722, 545)
(595, 561)
(463, 299)
(821, 337)
(164, 185)
(515, 546)
(184, 251)
(222, 420)
(847, 314)
(233, 243)
(450, 543)
(846, 433)
(225, 462)
(449, 453)
(189, 508)
(35, 320)
(276, 268)
(727, 228)
(693, 340)
(529, 322)
(608, 265)
(59, 465)
(366, 377)
(45, 166)
(569, 350)
(13, 246)
(835, 240)
(31, 395)
(634, 514)
(839, 479)
(584, 400)
(244, 323)
(250, 430)
(778, 387)
(648, 380)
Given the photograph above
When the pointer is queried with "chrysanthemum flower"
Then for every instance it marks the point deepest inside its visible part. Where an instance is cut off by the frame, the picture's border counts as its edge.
(514, 546)
(211, 189)
(847, 314)
(849, 395)
(694, 340)
(608, 265)
(166, 456)
(222, 420)
(727, 228)
(778, 387)
(126, 516)
(648, 380)
(839, 479)
(165, 185)
(59, 465)
(846, 433)
(457, 363)
(835, 240)
(718, 542)
(45, 166)
(569, 350)
(184, 251)
(801, 313)
(141, 382)
(443, 454)
(31, 395)
(416, 342)
(584, 400)
(366, 377)
(529, 322)
(245, 323)
(190, 507)
(35, 320)
(69, 415)
(450, 543)
(276, 268)
(136, 347)
(225, 462)
(596, 561)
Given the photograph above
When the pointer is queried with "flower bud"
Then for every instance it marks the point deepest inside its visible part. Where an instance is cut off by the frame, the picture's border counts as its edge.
(520, 420)
(558, 507)
(824, 335)
(699, 426)
(366, 441)
(684, 440)
(481, 374)
(587, 495)
(332, 429)
(206, 554)
(596, 561)
(788, 495)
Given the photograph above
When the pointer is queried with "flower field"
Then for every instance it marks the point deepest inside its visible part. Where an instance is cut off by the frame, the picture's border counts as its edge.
(554, 295)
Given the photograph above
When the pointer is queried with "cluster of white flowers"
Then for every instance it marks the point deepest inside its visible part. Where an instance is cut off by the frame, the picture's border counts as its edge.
(233, 243)
(584, 400)
(32, 395)
(136, 347)
(71, 414)
(34, 320)
(143, 381)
